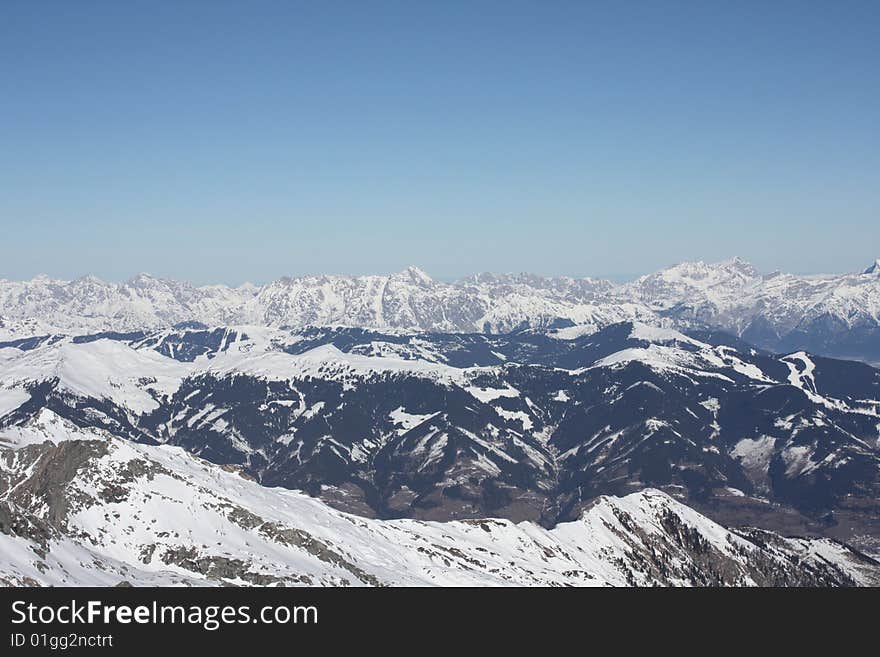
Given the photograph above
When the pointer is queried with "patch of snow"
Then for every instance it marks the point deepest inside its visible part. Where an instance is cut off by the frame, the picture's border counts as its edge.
(487, 395)
(407, 421)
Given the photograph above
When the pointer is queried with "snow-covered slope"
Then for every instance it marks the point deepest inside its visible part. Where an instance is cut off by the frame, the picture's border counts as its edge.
(102, 369)
(835, 315)
(83, 508)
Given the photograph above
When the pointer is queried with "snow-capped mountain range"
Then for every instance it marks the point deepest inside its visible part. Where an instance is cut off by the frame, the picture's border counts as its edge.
(502, 429)
(835, 315)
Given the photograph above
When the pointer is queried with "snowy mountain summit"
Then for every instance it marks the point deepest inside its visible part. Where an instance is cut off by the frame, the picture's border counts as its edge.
(834, 315)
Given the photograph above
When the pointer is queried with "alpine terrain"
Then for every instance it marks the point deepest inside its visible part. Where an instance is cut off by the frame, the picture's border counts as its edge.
(704, 425)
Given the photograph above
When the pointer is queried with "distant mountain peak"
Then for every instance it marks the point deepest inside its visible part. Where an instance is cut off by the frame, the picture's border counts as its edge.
(416, 275)
(90, 279)
(739, 263)
(44, 278)
(142, 278)
(874, 268)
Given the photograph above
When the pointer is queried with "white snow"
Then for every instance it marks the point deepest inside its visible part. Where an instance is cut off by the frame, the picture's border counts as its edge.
(755, 453)
(12, 398)
(797, 460)
(487, 395)
(711, 404)
(103, 369)
(47, 426)
(407, 421)
(648, 333)
(561, 396)
(519, 416)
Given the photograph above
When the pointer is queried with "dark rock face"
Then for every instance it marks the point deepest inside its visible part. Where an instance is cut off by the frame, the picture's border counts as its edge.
(705, 565)
(50, 469)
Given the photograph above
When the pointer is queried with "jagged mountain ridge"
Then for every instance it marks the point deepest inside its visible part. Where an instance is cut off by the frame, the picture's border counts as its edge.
(835, 315)
(525, 426)
(407, 300)
(79, 507)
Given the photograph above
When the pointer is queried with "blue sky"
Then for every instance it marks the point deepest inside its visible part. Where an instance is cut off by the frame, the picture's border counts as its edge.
(224, 142)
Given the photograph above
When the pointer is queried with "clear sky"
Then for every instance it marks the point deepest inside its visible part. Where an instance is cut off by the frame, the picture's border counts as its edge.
(224, 142)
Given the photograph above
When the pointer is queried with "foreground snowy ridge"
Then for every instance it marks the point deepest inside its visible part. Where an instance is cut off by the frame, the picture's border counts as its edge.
(83, 508)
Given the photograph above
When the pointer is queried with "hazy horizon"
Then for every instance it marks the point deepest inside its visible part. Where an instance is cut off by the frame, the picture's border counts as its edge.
(439, 278)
